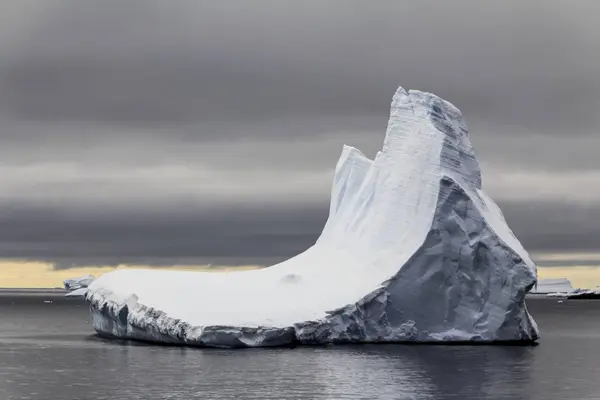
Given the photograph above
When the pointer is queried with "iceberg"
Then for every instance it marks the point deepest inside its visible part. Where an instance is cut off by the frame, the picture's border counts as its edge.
(557, 294)
(584, 293)
(78, 283)
(552, 285)
(413, 250)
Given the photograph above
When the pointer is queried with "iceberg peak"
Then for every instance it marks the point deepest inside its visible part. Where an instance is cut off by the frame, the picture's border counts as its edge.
(424, 118)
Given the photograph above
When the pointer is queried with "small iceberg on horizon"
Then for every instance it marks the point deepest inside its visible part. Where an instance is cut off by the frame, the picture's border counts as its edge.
(552, 287)
(562, 287)
(584, 294)
(78, 286)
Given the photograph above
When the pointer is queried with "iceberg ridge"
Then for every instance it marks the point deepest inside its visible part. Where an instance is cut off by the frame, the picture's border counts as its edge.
(412, 250)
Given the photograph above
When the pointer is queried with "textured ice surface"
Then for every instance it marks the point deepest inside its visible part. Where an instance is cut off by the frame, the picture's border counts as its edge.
(78, 283)
(413, 250)
(554, 285)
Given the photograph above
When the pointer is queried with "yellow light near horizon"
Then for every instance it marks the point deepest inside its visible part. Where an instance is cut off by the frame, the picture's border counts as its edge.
(29, 274)
(580, 277)
(540, 257)
(25, 274)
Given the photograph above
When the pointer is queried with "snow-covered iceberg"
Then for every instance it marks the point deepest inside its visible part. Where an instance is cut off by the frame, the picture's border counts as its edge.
(413, 250)
(78, 283)
(552, 285)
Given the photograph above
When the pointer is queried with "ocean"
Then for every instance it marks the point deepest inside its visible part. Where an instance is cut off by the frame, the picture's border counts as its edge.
(48, 351)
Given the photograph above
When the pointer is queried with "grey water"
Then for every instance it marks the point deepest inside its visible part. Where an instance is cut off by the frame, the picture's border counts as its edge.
(49, 351)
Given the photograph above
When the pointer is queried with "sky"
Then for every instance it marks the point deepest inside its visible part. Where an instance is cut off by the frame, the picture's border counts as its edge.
(203, 132)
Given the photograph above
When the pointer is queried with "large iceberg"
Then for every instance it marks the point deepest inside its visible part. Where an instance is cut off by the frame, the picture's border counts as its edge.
(413, 250)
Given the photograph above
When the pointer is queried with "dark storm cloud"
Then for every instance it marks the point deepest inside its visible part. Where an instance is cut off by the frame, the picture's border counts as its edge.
(161, 235)
(162, 125)
(554, 226)
(237, 235)
(529, 65)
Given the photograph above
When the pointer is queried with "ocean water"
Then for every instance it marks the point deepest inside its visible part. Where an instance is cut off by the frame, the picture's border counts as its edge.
(49, 351)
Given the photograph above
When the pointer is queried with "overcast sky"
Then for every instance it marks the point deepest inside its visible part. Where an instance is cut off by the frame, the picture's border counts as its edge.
(209, 130)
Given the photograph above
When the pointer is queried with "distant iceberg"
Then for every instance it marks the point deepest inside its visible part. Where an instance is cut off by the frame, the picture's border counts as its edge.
(78, 286)
(413, 250)
(554, 285)
(558, 288)
(585, 293)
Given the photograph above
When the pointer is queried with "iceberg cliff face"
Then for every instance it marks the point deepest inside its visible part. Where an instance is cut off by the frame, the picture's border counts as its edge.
(413, 250)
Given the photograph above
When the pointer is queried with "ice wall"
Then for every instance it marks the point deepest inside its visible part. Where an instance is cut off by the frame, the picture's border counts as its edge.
(413, 250)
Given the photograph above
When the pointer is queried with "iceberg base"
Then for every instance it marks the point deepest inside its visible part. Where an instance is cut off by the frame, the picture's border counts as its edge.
(133, 321)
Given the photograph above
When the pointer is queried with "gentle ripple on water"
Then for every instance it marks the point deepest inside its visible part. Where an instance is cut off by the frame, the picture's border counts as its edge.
(47, 351)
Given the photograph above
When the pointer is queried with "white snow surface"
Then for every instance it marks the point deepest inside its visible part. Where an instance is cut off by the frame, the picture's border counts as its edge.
(78, 283)
(552, 285)
(413, 250)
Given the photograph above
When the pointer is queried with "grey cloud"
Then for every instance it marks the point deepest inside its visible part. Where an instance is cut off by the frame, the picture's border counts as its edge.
(527, 66)
(535, 151)
(282, 140)
(167, 235)
(257, 96)
(237, 234)
(77, 137)
(554, 225)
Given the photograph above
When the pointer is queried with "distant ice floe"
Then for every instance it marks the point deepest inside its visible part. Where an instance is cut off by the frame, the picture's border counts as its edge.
(413, 250)
(584, 294)
(562, 287)
(78, 286)
(552, 286)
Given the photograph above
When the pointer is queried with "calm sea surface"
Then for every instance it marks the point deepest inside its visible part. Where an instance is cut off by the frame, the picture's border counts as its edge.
(48, 351)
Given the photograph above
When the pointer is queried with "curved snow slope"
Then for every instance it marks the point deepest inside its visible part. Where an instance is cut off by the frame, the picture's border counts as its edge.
(413, 250)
